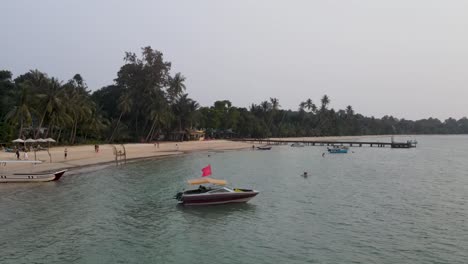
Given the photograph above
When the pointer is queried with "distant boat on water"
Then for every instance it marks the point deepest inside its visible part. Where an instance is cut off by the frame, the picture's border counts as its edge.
(297, 145)
(338, 150)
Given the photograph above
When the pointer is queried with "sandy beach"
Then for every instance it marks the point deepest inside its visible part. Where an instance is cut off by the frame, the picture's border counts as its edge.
(84, 155)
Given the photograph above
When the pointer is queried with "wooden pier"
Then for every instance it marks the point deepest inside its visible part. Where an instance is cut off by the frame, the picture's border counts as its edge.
(408, 144)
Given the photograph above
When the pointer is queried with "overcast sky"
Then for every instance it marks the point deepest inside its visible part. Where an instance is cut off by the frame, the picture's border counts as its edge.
(400, 57)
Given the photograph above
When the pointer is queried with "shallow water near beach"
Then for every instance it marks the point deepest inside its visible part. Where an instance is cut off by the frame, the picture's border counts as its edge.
(373, 205)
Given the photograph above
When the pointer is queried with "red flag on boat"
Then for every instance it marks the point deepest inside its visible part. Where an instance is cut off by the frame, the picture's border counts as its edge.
(206, 171)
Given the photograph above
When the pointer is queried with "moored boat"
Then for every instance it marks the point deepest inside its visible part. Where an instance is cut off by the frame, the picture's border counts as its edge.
(217, 193)
(338, 150)
(28, 177)
(297, 145)
(264, 148)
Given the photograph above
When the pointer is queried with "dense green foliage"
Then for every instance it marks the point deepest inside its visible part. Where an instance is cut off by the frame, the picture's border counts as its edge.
(146, 102)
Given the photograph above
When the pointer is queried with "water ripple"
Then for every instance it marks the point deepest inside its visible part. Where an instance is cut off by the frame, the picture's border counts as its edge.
(371, 206)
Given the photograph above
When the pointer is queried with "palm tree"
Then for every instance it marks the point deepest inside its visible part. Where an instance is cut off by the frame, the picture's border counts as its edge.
(184, 109)
(50, 99)
(325, 101)
(125, 106)
(302, 106)
(94, 122)
(192, 107)
(21, 113)
(176, 86)
(266, 106)
(310, 105)
(349, 111)
(79, 106)
(274, 103)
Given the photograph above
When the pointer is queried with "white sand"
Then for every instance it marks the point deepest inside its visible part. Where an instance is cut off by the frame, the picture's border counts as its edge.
(79, 156)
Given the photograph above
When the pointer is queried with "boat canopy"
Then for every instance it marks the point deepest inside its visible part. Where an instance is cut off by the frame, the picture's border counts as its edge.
(207, 180)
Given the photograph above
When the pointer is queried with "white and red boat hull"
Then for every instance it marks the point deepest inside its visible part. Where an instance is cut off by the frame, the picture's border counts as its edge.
(32, 177)
(218, 198)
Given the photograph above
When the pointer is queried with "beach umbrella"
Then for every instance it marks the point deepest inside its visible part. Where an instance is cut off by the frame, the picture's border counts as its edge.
(19, 140)
(41, 140)
(50, 140)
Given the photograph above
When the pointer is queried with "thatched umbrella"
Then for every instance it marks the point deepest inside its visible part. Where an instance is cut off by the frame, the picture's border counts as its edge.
(18, 140)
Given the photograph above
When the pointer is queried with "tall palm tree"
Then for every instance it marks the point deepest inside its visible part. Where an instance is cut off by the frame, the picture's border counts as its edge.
(125, 106)
(184, 109)
(21, 114)
(309, 104)
(176, 86)
(192, 107)
(266, 106)
(50, 100)
(349, 111)
(325, 101)
(79, 106)
(159, 117)
(274, 103)
(302, 106)
(94, 123)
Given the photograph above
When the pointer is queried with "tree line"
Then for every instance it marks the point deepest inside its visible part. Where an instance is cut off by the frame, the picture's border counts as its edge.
(146, 103)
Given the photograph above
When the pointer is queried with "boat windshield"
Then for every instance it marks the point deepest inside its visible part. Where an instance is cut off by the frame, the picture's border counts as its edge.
(220, 190)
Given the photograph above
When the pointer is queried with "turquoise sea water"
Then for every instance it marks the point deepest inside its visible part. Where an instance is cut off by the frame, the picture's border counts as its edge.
(376, 205)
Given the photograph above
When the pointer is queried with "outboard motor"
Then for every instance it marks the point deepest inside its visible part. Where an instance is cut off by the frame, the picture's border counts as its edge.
(178, 196)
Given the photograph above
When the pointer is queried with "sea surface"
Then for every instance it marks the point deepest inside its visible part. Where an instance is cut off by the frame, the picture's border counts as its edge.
(373, 205)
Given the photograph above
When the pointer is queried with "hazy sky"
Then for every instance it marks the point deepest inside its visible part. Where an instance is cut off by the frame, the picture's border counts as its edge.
(400, 57)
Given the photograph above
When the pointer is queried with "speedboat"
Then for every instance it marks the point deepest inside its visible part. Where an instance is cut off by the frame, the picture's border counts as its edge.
(338, 149)
(217, 193)
(28, 177)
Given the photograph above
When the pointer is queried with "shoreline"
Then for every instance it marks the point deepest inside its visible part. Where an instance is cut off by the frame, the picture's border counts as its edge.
(82, 157)
(79, 158)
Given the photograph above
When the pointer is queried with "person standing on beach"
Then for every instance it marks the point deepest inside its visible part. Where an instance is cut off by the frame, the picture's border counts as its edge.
(17, 154)
(26, 155)
(65, 153)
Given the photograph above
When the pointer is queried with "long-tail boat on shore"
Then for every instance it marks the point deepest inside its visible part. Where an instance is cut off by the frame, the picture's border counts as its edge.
(27, 177)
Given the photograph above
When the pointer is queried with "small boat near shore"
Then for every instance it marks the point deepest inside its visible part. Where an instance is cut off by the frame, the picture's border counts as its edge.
(217, 193)
(28, 177)
(264, 148)
(338, 150)
(297, 145)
